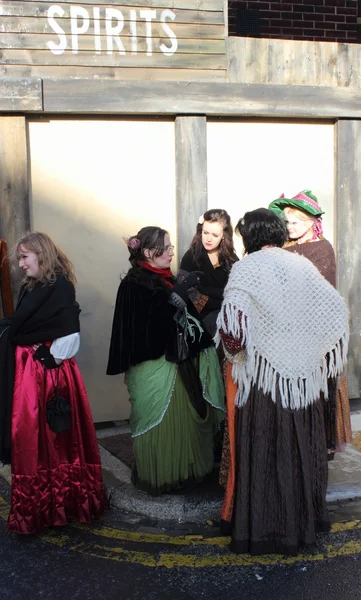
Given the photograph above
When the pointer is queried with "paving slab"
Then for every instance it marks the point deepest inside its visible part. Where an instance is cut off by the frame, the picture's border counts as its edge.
(344, 484)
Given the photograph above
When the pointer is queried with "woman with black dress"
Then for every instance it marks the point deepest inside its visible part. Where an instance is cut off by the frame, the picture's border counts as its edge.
(212, 253)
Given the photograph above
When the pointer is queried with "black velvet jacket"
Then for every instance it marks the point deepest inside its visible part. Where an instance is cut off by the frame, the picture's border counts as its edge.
(212, 281)
(144, 327)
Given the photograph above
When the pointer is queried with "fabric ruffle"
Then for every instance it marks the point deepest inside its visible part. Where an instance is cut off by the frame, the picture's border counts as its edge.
(53, 497)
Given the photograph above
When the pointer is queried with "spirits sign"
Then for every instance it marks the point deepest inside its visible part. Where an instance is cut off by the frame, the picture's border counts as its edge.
(113, 30)
(124, 39)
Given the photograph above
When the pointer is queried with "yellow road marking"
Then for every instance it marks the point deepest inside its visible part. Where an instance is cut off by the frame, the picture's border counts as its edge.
(171, 559)
(209, 560)
(336, 527)
(154, 538)
(5, 472)
(184, 540)
(4, 509)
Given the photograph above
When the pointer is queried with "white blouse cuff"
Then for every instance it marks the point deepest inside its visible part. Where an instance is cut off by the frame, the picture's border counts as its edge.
(65, 347)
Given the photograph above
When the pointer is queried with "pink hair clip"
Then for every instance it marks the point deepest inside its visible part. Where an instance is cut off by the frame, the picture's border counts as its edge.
(133, 243)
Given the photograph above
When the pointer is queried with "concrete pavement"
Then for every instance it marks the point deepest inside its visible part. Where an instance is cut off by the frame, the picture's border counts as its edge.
(344, 484)
(197, 507)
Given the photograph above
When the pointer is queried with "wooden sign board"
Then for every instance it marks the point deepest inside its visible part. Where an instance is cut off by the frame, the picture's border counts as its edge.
(108, 39)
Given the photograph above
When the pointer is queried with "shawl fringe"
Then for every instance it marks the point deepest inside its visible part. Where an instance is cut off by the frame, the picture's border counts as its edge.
(250, 368)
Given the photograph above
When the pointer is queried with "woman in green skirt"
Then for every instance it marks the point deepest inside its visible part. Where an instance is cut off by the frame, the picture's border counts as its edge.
(172, 371)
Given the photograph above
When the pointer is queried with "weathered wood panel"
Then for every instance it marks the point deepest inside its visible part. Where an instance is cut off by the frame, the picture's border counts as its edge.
(269, 61)
(120, 73)
(144, 34)
(181, 30)
(182, 61)
(218, 99)
(35, 46)
(20, 94)
(191, 176)
(204, 5)
(41, 24)
(348, 217)
(14, 183)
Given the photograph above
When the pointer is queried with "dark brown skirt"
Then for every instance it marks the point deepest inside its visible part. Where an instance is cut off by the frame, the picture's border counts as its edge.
(281, 477)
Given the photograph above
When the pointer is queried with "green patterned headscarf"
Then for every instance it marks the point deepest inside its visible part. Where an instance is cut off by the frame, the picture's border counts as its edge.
(304, 200)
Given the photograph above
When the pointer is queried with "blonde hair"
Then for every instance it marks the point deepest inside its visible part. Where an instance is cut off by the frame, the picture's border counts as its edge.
(52, 260)
(302, 215)
(298, 213)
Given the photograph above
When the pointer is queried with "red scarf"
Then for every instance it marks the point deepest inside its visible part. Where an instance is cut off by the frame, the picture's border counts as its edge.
(165, 274)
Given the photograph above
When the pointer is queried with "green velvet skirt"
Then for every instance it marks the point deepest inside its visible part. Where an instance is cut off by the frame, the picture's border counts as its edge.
(179, 449)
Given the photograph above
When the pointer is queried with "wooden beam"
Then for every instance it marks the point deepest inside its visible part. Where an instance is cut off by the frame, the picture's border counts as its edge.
(191, 177)
(348, 229)
(14, 183)
(207, 98)
(23, 94)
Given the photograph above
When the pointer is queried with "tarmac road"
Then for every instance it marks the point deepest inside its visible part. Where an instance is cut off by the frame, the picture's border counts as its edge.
(125, 558)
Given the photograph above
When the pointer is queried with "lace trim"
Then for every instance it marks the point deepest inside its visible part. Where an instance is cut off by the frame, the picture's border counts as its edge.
(205, 383)
(134, 435)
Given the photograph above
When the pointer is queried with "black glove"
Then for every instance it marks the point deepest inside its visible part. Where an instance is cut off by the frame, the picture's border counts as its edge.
(191, 280)
(43, 355)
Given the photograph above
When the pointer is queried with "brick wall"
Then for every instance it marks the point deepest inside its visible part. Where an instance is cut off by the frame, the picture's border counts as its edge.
(317, 20)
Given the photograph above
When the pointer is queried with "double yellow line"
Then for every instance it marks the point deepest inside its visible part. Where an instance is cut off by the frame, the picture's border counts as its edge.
(157, 557)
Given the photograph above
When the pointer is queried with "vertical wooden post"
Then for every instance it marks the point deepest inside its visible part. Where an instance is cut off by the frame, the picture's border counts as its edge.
(7, 302)
(348, 235)
(191, 177)
(14, 184)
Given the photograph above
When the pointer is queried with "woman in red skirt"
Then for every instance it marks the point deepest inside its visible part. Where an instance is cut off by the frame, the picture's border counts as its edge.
(46, 427)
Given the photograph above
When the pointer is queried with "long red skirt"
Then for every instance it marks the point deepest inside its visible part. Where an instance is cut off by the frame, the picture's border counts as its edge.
(55, 476)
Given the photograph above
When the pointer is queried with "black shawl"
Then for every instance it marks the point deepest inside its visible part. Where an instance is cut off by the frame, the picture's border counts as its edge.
(144, 327)
(43, 314)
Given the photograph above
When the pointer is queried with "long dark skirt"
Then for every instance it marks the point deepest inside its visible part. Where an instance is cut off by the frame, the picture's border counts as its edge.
(281, 477)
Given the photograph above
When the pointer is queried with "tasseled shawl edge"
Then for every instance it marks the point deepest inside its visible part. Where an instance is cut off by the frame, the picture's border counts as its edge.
(250, 368)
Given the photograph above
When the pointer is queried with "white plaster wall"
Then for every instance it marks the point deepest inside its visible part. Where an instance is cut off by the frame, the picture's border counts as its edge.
(252, 163)
(93, 182)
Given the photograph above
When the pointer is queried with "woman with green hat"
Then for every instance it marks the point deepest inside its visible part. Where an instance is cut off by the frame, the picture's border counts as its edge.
(303, 218)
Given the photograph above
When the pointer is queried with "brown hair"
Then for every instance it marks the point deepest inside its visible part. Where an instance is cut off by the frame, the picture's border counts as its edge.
(147, 238)
(52, 260)
(226, 253)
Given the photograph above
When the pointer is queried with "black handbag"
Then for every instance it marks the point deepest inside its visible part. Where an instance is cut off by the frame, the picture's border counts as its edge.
(182, 346)
(58, 411)
(177, 349)
(58, 414)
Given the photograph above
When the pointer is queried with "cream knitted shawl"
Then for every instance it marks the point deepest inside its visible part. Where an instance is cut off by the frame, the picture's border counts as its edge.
(294, 327)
